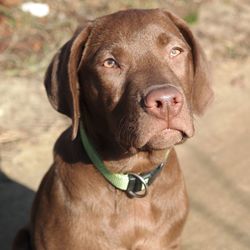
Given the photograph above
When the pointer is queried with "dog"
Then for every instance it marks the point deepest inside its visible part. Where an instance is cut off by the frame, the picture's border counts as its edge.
(131, 82)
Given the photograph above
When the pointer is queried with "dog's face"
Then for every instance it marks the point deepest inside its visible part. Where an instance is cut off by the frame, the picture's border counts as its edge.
(134, 76)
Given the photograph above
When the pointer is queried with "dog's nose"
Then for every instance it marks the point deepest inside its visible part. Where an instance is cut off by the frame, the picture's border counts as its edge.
(163, 102)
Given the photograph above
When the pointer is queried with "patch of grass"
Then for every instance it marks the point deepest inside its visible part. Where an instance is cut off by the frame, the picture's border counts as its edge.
(192, 17)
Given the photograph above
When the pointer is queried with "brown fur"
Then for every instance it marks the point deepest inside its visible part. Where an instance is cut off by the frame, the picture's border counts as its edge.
(75, 207)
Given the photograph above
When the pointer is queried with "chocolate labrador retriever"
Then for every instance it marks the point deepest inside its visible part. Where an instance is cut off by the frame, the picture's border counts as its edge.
(131, 83)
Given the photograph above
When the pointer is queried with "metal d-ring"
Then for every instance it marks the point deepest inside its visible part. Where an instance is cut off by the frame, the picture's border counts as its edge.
(133, 194)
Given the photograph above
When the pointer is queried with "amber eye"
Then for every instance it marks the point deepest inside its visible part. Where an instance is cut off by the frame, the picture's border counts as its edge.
(110, 63)
(175, 51)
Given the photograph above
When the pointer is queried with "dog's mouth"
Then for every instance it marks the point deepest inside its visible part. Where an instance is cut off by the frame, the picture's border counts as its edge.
(166, 138)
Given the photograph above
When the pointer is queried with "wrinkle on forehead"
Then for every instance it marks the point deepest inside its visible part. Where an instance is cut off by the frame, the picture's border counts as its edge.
(134, 29)
(137, 43)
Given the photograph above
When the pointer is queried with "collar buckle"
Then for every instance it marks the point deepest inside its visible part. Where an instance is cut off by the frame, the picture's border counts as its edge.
(137, 186)
(138, 183)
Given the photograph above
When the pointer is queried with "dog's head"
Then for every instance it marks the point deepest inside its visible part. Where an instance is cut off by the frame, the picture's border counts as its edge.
(134, 78)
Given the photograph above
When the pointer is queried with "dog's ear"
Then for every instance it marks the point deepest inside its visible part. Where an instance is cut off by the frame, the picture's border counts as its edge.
(201, 89)
(61, 79)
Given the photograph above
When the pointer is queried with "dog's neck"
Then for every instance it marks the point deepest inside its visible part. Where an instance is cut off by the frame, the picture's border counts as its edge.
(139, 162)
(119, 161)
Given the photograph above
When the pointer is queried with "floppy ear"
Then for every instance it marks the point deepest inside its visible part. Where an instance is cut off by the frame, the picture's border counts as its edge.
(201, 91)
(61, 79)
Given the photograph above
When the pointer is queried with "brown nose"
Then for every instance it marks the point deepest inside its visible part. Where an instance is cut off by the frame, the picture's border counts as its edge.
(163, 102)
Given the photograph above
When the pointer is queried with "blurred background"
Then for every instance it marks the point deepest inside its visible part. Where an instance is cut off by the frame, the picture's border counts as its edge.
(216, 162)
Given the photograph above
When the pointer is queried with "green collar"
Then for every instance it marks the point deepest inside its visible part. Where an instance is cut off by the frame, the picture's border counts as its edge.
(135, 185)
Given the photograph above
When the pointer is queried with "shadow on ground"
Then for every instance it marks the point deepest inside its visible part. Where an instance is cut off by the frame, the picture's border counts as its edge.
(15, 200)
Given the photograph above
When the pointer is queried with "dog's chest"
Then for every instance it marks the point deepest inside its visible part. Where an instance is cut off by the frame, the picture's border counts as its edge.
(129, 224)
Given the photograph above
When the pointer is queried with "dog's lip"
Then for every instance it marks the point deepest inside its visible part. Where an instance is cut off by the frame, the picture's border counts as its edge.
(166, 138)
(164, 133)
(184, 134)
(187, 130)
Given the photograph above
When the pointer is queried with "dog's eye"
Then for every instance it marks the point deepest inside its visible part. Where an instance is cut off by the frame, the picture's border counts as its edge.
(110, 63)
(175, 51)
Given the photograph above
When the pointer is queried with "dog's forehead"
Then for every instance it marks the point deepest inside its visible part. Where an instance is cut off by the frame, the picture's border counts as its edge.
(131, 26)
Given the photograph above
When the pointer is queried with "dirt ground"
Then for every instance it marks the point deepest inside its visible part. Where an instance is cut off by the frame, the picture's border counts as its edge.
(216, 162)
